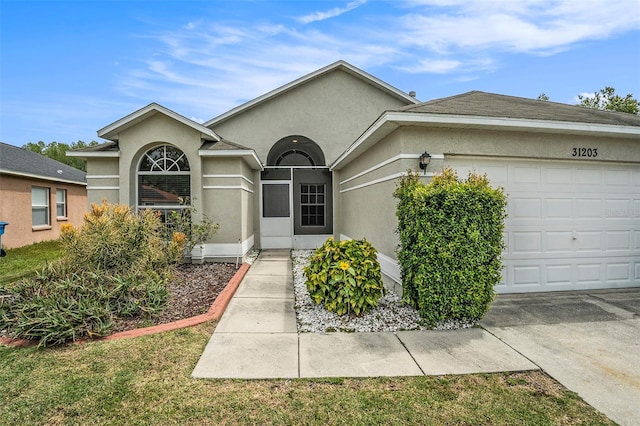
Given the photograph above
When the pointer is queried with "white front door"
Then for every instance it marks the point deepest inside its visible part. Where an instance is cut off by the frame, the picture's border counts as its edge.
(276, 215)
(571, 225)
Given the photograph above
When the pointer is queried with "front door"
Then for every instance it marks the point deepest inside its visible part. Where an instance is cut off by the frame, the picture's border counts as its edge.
(276, 223)
(296, 212)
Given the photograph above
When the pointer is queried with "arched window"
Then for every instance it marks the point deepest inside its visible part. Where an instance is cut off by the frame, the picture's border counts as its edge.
(164, 179)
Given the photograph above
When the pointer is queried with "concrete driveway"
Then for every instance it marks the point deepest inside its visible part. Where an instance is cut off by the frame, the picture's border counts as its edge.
(588, 341)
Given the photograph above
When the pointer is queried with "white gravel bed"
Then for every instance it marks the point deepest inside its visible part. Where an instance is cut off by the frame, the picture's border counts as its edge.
(390, 315)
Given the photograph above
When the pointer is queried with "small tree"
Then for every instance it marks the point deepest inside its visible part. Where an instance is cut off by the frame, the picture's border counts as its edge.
(607, 99)
(450, 244)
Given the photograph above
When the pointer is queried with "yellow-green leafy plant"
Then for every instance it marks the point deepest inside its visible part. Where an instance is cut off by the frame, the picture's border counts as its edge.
(344, 276)
(117, 264)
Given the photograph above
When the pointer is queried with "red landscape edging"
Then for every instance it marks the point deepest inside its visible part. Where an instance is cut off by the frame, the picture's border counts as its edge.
(214, 313)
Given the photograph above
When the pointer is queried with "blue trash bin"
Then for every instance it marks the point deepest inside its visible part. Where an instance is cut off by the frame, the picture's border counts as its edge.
(2, 225)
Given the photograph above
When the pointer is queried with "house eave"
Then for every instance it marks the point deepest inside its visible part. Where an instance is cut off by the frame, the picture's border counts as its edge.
(390, 121)
(112, 131)
(103, 154)
(249, 155)
(40, 177)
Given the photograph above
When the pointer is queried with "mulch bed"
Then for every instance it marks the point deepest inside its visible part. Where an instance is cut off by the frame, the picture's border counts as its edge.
(191, 293)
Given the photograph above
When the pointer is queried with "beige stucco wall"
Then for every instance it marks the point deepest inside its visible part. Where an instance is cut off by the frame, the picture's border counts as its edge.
(16, 210)
(157, 130)
(332, 110)
(370, 211)
(103, 182)
(228, 197)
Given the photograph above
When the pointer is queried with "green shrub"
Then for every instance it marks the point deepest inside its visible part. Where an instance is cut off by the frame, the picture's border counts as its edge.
(345, 276)
(116, 265)
(195, 233)
(450, 244)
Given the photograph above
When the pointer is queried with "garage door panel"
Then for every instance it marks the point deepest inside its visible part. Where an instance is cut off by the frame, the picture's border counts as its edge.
(526, 242)
(618, 240)
(560, 274)
(588, 208)
(619, 271)
(590, 241)
(618, 177)
(559, 208)
(527, 208)
(559, 242)
(525, 175)
(558, 176)
(589, 272)
(570, 225)
(588, 177)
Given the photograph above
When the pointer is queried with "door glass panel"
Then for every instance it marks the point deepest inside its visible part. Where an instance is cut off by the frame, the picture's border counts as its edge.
(275, 200)
(312, 207)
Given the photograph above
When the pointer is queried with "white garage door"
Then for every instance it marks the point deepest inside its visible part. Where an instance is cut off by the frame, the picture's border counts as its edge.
(571, 225)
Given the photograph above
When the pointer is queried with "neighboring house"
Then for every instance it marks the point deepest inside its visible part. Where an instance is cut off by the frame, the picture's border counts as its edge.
(321, 156)
(38, 194)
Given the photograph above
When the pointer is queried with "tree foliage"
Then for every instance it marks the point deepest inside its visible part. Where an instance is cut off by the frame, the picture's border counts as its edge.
(58, 152)
(607, 99)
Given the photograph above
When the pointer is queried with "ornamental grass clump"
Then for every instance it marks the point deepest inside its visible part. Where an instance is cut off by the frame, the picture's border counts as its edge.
(344, 276)
(450, 245)
(117, 264)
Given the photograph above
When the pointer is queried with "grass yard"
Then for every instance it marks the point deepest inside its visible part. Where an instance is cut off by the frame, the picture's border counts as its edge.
(23, 261)
(147, 381)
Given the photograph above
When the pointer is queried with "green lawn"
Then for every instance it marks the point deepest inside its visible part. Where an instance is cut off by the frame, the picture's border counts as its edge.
(147, 381)
(26, 260)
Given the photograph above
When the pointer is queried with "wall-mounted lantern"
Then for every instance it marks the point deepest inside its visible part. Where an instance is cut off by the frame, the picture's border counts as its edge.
(425, 158)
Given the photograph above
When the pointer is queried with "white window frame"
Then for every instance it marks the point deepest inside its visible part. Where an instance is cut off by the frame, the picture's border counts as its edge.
(162, 167)
(61, 203)
(39, 207)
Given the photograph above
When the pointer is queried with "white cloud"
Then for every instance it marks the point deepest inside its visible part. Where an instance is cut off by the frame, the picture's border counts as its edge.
(332, 13)
(208, 67)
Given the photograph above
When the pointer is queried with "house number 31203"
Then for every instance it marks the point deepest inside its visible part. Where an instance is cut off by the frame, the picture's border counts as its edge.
(584, 152)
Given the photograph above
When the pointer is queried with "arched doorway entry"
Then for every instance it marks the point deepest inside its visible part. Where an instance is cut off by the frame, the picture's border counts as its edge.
(296, 195)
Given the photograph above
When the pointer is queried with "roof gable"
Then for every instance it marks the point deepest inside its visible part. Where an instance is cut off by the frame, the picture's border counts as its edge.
(22, 162)
(336, 66)
(112, 131)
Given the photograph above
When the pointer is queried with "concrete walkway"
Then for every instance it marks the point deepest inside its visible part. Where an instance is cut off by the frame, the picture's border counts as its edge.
(257, 338)
(588, 341)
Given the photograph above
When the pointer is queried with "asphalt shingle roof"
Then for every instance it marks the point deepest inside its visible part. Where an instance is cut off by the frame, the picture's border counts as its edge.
(22, 161)
(484, 104)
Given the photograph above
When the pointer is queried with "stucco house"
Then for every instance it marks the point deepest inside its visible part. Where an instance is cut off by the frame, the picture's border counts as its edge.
(38, 194)
(320, 157)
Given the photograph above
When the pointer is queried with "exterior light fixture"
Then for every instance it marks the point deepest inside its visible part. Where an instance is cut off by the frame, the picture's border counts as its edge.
(425, 158)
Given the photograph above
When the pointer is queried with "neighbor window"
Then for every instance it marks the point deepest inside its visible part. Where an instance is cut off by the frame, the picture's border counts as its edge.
(312, 204)
(61, 202)
(164, 180)
(39, 206)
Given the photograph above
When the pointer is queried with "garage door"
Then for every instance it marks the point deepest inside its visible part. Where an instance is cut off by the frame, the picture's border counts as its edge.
(571, 226)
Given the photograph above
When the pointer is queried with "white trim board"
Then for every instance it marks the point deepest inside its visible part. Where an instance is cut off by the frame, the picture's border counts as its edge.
(389, 161)
(230, 250)
(103, 176)
(241, 187)
(382, 179)
(104, 188)
(222, 176)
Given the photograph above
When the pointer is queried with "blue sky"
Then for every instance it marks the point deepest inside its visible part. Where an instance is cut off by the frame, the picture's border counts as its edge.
(69, 68)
